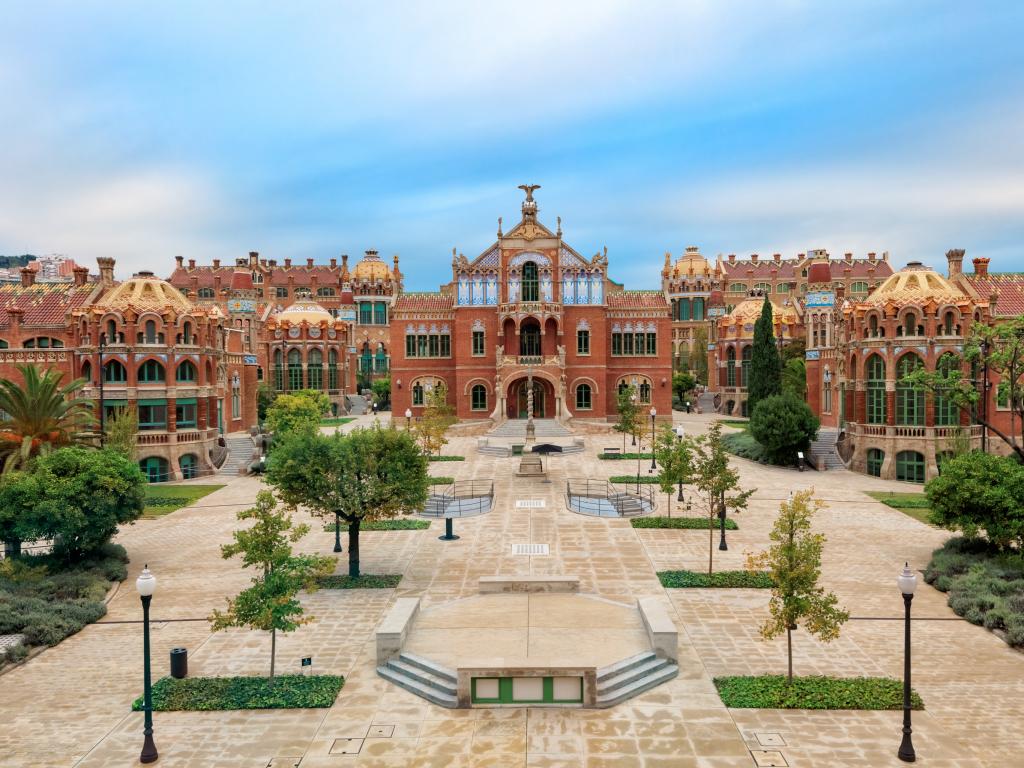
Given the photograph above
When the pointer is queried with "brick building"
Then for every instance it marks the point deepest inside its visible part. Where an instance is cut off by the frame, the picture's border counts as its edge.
(531, 305)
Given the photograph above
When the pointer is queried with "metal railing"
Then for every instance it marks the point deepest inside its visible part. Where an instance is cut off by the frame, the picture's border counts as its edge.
(604, 499)
(906, 430)
(463, 498)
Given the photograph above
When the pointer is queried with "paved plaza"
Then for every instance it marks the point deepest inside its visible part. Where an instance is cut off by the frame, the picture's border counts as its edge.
(69, 706)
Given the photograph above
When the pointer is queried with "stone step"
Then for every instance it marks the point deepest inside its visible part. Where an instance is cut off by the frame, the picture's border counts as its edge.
(437, 682)
(428, 665)
(645, 683)
(604, 673)
(609, 684)
(422, 690)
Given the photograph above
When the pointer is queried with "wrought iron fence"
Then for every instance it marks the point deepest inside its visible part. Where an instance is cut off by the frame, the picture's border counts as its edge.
(604, 499)
(463, 498)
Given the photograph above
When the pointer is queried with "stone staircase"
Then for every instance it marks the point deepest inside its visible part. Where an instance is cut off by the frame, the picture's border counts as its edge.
(240, 455)
(357, 405)
(630, 677)
(543, 429)
(422, 677)
(823, 452)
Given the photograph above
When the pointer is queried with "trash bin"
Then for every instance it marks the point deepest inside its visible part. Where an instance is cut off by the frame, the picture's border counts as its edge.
(179, 663)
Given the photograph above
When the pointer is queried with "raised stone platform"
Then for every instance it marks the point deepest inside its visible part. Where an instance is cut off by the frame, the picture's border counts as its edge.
(493, 584)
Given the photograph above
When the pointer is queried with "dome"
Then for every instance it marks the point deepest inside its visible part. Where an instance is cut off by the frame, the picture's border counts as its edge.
(747, 312)
(691, 263)
(915, 284)
(370, 267)
(304, 310)
(145, 292)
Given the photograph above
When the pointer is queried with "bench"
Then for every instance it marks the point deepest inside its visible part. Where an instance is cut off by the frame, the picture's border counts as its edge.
(393, 630)
(616, 451)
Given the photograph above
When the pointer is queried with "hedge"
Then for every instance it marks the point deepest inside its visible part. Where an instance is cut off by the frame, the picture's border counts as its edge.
(815, 692)
(688, 523)
(616, 456)
(447, 458)
(627, 479)
(364, 581)
(204, 694)
(440, 480)
(386, 525)
(718, 579)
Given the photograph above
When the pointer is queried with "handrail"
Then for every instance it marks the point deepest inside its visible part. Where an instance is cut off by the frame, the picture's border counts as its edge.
(463, 498)
(608, 497)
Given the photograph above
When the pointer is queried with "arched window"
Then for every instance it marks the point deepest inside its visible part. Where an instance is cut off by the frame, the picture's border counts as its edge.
(909, 399)
(366, 359)
(43, 342)
(478, 397)
(748, 352)
(949, 326)
(325, 291)
(738, 287)
(294, 369)
(763, 288)
(910, 324)
(859, 287)
(111, 332)
(151, 371)
(205, 293)
(644, 391)
(87, 371)
(531, 284)
(156, 469)
(189, 466)
(332, 369)
(278, 370)
(730, 367)
(623, 386)
(910, 467)
(583, 397)
(946, 412)
(149, 334)
(380, 359)
(114, 371)
(874, 373)
(186, 371)
(874, 463)
(315, 369)
(529, 339)
(873, 326)
(186, 333)
(417, 394)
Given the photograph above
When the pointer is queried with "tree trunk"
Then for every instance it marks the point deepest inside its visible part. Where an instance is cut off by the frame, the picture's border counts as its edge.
(273, 654)
(353, 547)
(12, 548)
(711, 539)
(789, 652)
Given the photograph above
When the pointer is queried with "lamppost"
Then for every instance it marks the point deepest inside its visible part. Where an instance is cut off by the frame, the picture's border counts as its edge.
(633, 399)
(654, 413)
(146, 585)
(337, 532)
(721, 519)
(408, 419)
(100, 347)
(680, 432)
(907, 583)
(984, 396)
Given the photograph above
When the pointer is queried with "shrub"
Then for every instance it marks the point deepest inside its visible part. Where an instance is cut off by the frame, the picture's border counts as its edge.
(363, 581)
(16, 653)
(686, 523)
(204, 694)
(388, 525)
(616, 456)
(447, 458)
(772, 692)
(718, 579)
(783, 425)
(627, 479)
(980, 493)
(746, 447)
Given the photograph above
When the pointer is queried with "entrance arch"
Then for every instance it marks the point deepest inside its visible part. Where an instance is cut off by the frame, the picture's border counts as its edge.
(544, 404)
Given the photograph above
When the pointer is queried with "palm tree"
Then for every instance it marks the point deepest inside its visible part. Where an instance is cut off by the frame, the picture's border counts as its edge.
(40, 415)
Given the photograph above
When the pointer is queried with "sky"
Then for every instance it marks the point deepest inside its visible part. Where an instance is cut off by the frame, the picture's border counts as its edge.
(306, 129)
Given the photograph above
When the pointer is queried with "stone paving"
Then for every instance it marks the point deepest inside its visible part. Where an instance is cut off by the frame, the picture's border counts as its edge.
(70, 705)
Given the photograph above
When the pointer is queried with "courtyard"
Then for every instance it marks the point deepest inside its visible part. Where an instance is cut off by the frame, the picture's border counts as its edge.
(70, 705)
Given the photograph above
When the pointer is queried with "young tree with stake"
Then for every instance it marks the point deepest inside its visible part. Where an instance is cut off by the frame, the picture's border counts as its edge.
(629, 414)
(673, 455)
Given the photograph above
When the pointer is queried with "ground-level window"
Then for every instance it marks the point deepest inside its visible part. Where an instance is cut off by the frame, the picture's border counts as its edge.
(189, 466)
(875, 459)
(910, 466)
(155, 469)
(417, 394)
(478, 397)
(583, 397)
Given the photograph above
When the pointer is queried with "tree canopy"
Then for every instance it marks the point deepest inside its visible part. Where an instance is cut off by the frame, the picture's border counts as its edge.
(682, 384)
(765, 375)
(674, 458)
(794, 377)
(783, 425)
(437, 416)
(296, 412)
(629, 413)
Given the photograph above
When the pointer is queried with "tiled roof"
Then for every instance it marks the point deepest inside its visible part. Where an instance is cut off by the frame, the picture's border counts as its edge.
(300, 274)
(424, 302)
(859, 268)
(737, 270)
(637, 300)
(43, 305)
(1009, 286)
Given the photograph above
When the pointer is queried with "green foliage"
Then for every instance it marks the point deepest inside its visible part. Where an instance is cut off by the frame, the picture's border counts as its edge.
(783, 425)
(794, 562)
(363, 581)
(915, 505)
(630, 421)
(765, 365)
(40, 416)
(163, 499)
(979, 492)
(270, 604)
(674, 459)
(626, 479)
(437, 416)
(795, 349)
(686, 523)
(699, 359)
(295, 412)
(682, 384)
(439, 480)
(985, 584)
(205, 694)
(776, 692)
(76, 496)
(744, 445)
(336, 421)
(122, 432)
(719, 580)
(618, 456)
(372, 474)
(381, 389)
(794, 378)
(265, 396)
(388, 525)
(446, 458)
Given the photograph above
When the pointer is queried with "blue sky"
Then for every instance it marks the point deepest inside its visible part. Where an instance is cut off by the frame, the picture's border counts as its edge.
(315, 129)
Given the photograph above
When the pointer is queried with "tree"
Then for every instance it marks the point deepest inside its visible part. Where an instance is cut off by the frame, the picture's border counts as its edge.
(673, 456)
(699, 358)
(123, 431)
(437, 416)
(76, 496)
(682, 384)
(794, 378)
(292, 413)
(265, 396)
(783, 425)
(794, 349)
(765, 368)
(980, 493)
(794, 563)
(1000, 348)
(713, 478)
(382, 390)
(370, 474)
(629, 414)
(41, 415)
(271, 603)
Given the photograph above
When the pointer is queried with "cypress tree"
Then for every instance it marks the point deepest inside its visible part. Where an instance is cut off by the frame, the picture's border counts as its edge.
(765, 364)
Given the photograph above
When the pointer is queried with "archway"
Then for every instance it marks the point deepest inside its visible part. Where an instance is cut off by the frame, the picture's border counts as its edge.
(543, 399)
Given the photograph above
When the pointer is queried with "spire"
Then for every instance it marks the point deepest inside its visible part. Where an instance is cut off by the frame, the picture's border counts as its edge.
(529, 204)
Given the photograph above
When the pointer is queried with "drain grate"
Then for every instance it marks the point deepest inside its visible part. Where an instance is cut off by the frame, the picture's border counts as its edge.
(530, 549)
(765, 758)
(530, 503)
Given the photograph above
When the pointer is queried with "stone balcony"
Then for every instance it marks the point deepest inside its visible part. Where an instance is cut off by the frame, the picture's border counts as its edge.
(893, 431)
(185, 435)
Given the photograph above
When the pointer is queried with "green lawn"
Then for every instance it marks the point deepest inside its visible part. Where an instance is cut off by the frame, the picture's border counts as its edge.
(914, 505)
(735, 424)
(161, 499)
(336, 421)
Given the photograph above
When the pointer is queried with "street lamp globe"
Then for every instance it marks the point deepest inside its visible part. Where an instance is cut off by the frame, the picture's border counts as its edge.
(654, 412)
(907, 580)
(146, 583)
(408, 413)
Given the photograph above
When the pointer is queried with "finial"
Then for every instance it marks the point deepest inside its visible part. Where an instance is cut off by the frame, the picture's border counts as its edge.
(559, 231)
(499, 227)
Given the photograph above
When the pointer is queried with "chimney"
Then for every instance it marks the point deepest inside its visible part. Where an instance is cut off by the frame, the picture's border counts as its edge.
(777, 257)
(732, 258)
(178, 260)
(314, 283)
(287, 263)
(980, 266)
(254, 258)
(309, 263)
(848, 256)
(885, 255)
(871, 256)
(81, 275)
(216, 263)
(216, 282)
(753, 257)
(334, 263)
(193, 286)
(955, 260)
(273, 262)
(191, 264)
(106, 265)
(14, 314)
(28, 277)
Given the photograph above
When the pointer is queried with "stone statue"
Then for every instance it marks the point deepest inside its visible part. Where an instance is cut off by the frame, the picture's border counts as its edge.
(529, 189)
(499, 353)
(561, 355)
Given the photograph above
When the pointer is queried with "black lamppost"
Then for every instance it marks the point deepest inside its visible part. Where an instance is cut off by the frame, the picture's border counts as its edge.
(337, 532)
(984, 396)
(654, 413)
(100, 347)
(907, 583)
(721, 519)
(634, 400)
(146, 585)
(679, 437)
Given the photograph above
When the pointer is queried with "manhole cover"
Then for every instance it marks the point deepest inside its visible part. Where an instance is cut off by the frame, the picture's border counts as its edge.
(530, 503)
(767, 758)
(381, 731)
(530, 549)
(770, 739)
(346, 746)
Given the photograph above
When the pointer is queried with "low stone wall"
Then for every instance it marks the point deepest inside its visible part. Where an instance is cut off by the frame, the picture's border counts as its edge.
(520, 584)
(466, 675)
(394, 629)
(661, 630)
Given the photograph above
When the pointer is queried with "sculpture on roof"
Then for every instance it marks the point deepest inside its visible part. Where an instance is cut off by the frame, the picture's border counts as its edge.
(529, 189)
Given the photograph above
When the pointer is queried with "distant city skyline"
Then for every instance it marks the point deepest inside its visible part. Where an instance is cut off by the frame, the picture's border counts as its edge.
(143, 133)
